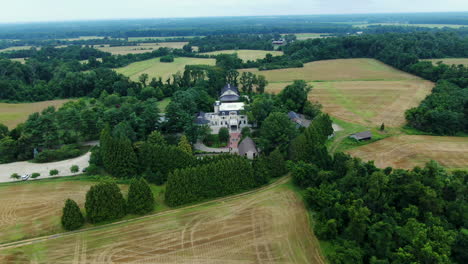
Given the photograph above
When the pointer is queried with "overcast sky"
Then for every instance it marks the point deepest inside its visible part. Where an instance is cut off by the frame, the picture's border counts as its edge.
(58, 10)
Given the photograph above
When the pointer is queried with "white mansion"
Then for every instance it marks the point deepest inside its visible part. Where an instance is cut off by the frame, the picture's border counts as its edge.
(227, 112)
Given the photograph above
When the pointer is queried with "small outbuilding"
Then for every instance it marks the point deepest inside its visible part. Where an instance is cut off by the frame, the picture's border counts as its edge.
(248, 148)
(366, 135)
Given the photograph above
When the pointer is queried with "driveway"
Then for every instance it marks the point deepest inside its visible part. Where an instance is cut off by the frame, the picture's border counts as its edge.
(200, 146)
(25, 167)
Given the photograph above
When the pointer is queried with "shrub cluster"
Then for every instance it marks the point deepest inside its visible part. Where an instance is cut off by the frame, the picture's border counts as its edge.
(63, 153)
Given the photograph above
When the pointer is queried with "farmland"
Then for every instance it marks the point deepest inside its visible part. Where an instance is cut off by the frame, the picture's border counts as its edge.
(407, 151)
(30, 209)
(303, 36)
(246, 55)
(16, 48)
(155, 68)
(141, 48)
(159, 38)
(337, 70)
(451, 61)
(13, 114)
(362, 91)
(265, 226)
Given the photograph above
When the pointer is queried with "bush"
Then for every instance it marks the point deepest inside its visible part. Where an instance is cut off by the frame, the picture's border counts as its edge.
(74, 169)
(72, 218)
(53, 172)
(63, 153)
(104, 201)
(223, 134)
(15, 176)
(35, 175)
(167, 58)
(92, 170)
(140, 197)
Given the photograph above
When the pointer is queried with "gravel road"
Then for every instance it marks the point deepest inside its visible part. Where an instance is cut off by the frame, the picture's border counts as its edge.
(25, 167)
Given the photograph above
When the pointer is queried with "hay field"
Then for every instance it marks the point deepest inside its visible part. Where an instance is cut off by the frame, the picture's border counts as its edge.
(16, 48)
(20, 60)
(269, 226)
(407, 151)
(246, 55)
(303, 36)
(337, 70)
(141, 48)
(159, 38)
(450, 61)
(13, 114)
(155, 68)
(30, 209)
(362, 91)
(409, 25)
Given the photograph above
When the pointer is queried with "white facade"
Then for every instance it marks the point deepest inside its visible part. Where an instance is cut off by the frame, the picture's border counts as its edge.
(227, 115)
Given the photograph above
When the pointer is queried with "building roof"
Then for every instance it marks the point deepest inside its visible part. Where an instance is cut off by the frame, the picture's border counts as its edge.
(362, 135)
(229, 98)
(231, 107)
(247, 145)
(293, 115)
(201, 120)
(229, 87)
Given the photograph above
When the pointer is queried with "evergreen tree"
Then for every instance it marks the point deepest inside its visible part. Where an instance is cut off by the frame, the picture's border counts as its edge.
(156, 138)
(277, 164)
(72, 218)
(184, 145)
(104, 201)
(382, 127)
(117, 154)
(140, 198)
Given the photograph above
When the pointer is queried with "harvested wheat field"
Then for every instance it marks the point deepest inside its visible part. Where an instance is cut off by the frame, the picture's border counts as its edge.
(246, 55)
(13, 114)
(269, 226)
(31, 209)
(155, 68)
(337, 70)
(408, 151)
(451, 61)
(141, 48)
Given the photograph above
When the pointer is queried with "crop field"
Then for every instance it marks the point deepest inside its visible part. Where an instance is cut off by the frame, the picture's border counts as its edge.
(159, 38)
(362, 91)
(337, 70)
(20, 60)
(13, 114)
(303, 36)
(246, 55)
(141, 48)
(451, 61)
(407, 151)
(409, 25)
(84, 38)
(268, 226)
(155, 68)
(16, 48)
(29, 209)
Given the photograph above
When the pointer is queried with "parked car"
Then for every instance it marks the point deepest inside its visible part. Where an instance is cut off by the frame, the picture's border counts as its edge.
(25, 177)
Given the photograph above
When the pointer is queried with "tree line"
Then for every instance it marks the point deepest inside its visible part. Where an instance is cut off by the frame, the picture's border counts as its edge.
(105, 202)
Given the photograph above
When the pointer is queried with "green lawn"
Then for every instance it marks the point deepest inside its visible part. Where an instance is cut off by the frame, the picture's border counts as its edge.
(162, 105)
(155, 68)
